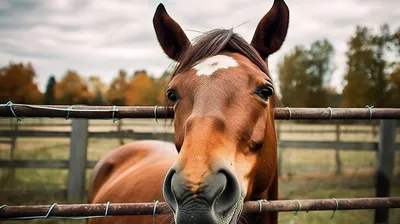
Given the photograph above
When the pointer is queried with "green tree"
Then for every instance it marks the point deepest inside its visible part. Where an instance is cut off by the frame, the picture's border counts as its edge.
(394, 78)
(368, 79)
(394, 88)
(319, 72)
(304, 75)
(356, 92)
(50, 95)
(379, 75)
(293, 79)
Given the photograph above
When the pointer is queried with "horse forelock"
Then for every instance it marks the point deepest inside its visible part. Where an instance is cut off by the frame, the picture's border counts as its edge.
(216, 42)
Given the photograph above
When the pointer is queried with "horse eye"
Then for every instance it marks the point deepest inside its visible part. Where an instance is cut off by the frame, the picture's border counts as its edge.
(265, 92)
(172, 95)
(256, 146)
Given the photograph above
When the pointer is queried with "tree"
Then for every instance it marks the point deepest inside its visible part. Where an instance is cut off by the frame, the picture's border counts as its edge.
(293, 80)
(368, 79)
(96, 89)
(139, 91)
(356, 92)
(17, 84)
(379, 75)
(98, 98)
(50, 95)
(394, 78)
(319, 71)
(394, 88)
(72, 89)
(161, 86)
(396, 41)
(304, 75)
(116, 92)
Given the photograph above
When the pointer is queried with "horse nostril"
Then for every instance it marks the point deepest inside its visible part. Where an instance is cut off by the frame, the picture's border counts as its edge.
(167, 190)
(220, 191)
(230, 195)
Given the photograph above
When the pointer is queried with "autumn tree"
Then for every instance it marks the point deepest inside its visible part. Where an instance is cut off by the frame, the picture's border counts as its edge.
(304, 75)
(368, 79)
(50, 95)
(17, 84)
(98, 98)
(139, 91)
(394, 88)
(72, 89)
(96, 89)
(161, 86)
(115, 94)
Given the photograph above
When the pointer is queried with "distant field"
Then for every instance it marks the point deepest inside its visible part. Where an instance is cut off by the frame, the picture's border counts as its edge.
(360, 165)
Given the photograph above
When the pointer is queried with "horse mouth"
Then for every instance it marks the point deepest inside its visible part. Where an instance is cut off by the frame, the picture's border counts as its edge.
(234, 219)
(237, 213)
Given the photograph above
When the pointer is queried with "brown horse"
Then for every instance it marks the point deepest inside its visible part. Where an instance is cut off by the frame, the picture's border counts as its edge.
(225, 150)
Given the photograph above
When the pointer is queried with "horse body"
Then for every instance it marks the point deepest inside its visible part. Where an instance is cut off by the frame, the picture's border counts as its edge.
(131, 173)
(223, 99)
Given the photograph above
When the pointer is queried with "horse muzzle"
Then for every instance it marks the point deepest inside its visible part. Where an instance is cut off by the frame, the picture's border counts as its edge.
(214, 199)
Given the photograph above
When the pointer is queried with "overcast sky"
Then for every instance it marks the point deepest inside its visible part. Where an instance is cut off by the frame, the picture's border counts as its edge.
(99, 37)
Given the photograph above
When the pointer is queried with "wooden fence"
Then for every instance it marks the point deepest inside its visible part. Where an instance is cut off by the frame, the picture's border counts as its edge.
(78, 163)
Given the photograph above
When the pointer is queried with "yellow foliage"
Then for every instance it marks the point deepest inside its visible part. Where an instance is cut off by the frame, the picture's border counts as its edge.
(139, 90)
(116, 92)
(72, 89)
(17, 84)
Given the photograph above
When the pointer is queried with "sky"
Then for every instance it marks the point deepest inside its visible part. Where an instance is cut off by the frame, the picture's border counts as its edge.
(100, 37)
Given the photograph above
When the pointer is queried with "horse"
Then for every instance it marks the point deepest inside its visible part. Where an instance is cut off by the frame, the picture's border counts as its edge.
(224, 151)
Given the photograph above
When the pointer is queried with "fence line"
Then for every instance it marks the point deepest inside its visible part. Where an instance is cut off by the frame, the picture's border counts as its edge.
(119, 209)
(113, 112)
(295, 113)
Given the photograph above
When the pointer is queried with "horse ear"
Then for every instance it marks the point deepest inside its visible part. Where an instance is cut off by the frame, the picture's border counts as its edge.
(169, 34)
(272, 29)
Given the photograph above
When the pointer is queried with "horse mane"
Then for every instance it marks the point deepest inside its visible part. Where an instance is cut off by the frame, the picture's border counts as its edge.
(215, 42)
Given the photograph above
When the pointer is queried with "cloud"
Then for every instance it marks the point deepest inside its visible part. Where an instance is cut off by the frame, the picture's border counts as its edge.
(100, 37)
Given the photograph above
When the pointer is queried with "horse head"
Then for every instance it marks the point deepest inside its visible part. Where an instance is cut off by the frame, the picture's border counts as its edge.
(223, 98)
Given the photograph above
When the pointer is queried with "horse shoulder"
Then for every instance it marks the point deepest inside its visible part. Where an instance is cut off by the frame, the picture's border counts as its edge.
(120, 159)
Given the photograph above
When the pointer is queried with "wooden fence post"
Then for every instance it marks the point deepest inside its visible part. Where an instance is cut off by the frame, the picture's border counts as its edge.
(77, 160)
(119, 130)
(337, 153)
(11, 172)
(384, 172)
(280, 149)
(14, 140)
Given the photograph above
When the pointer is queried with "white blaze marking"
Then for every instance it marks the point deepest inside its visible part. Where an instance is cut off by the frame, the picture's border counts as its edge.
(212, 64)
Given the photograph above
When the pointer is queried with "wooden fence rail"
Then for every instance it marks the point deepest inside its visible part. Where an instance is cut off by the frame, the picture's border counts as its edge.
(120, 209)
(111, 112)
(78, 164)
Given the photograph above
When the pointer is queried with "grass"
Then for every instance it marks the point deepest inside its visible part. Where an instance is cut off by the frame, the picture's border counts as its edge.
(295, 183)
(354, 216)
